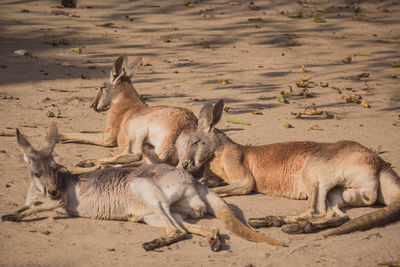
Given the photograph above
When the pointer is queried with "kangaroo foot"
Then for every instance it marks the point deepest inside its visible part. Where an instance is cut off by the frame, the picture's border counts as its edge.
(313, 224)
(164, 241)
(269, 221)
(214, 240)
(10, 217)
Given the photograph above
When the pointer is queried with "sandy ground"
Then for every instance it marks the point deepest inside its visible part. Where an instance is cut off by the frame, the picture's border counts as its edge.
(190, 49)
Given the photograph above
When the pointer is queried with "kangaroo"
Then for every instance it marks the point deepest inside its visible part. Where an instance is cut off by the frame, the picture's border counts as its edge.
(156, 194)
(158, 132)
(330, 175)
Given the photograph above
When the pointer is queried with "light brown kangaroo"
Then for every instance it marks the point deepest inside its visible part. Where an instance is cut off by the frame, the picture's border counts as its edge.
(330, 175)
(157, 194)
(158, 132)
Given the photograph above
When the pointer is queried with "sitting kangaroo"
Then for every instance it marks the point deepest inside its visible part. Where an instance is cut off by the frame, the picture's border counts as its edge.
(158, 195)
(158, 132)
(330, 175)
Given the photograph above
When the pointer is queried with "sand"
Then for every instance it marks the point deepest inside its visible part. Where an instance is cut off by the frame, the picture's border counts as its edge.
(190, 50)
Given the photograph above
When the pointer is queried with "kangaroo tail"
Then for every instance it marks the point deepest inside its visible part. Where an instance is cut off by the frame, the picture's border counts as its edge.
(221, 210)
(389, 186)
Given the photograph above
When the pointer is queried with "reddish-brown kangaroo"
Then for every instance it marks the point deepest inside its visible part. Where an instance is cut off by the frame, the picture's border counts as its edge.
(330, 175)
(156, 194)
(157, 132)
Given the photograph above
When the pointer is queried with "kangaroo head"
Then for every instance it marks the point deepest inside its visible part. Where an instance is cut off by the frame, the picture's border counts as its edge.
(121, 73)
(203, 143)
(41, 166)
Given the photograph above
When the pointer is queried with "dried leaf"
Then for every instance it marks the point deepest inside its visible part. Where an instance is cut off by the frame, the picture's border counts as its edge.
(296, 115)
(323, 11)
(319, 20)
(54, 114)
(144, 62)
(364, 104)
(76, 50)
(392, 75)
(173, 28)
(396, 64)
(60, 90)
(337, 89)
(254, 19)
(303, 82)
(363, 75)
(335, 117)
(295, 43)
(316, 127)
(257, 26)
(287, 125)
(296, 16)
(188, 4)
(206, 46)
(67, 64)
(236, 121)
(60, 41)
(107, 24)
(29, 125)
(303, 68)
(224, 81)
(283, 92)
(347, 60)
(311, 111)
(351, 98)
(282, 99)
(324, 84)
(363, 54)
(227, 109)
(257, 113)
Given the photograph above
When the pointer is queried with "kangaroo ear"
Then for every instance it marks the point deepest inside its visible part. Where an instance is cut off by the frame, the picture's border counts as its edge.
(116, 71)
(26, 147)
(210, 115)
(52, 137)
(129, 65)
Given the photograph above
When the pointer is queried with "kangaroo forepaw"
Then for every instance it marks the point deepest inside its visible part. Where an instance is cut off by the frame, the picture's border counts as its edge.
(214, 241)
(200, 212)
(269, 221)
(11, 217)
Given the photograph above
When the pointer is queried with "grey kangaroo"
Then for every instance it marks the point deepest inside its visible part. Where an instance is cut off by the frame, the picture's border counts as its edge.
(158, 195)
(330, 175)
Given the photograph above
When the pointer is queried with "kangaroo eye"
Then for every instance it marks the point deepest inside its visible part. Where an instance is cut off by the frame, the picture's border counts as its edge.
(37, 174)
(203, 143)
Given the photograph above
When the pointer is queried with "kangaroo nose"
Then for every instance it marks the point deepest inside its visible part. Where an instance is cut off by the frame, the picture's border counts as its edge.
(185, 164)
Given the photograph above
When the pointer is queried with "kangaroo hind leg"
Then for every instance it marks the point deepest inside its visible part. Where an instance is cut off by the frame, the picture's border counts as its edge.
(157, 201)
